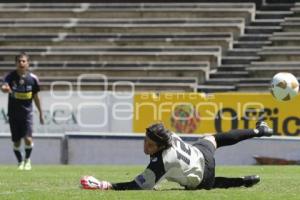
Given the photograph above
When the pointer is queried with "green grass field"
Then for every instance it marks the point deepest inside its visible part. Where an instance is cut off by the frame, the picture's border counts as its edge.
(62, 182)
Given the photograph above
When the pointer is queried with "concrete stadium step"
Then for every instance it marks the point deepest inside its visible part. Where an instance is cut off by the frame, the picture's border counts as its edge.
(242, 52)
(146, 10)
(232, 25)
(45, 49)
(118, 21)
(158, 69)
(273, 53)
(286, 34)
(281, 1)
(291, 24)
(109, 65)
(262, 29)
(269, 72)
(231, 68)
(269, 69)
(296, 10)
(254, 37)
(183, 84)
(277, 6)
(96, 79)
(127, 5)
(292, 19)
(258, 3)
(100, 36)
(285, 39)
(215, 88)
(237, 81)
(238, 60)
(272, 14)
(224, 40)
(253, 87)
(275, 64)
(209, 54)
(251, 44)
(228, 74)
(222, 81)
(267, 22)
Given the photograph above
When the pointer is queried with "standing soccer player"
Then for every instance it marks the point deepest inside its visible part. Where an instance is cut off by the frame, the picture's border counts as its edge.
(22, 87)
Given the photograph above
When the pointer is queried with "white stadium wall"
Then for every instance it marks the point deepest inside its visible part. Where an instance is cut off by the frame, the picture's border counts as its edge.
(128, 149)
(92, 148)
(97, 128)
(48, 149)
(79, 111)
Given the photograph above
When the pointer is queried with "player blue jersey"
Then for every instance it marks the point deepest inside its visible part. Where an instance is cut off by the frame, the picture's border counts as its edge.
(23, 90)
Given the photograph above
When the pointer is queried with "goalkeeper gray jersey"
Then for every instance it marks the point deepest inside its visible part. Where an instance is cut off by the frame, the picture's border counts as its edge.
(181, 163)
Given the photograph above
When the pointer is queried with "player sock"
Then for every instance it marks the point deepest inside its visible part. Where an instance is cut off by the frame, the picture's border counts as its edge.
(233, 136)
(18, 154)
(225, 182)
(28, 150)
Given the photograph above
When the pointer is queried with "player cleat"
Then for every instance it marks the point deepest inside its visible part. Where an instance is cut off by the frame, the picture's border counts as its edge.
(21, 166)
(249, 181)
(27, 165)
(263, 129)
(91, 183)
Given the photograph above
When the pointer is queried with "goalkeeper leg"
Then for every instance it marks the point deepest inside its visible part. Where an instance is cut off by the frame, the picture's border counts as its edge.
(225, 182)
(235, 136)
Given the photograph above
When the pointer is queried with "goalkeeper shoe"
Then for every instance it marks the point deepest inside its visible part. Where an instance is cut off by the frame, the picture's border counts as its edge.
(249, 181)
(91, 183)
(262, 129)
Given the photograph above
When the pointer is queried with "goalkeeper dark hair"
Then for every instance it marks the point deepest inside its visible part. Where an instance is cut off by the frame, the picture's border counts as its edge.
(160, 135)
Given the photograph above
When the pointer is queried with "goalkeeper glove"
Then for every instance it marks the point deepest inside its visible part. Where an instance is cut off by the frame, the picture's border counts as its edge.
(91, 183)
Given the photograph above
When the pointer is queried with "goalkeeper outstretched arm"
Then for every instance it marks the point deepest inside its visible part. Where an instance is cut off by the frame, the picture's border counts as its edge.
(132, 185)
(153, 174)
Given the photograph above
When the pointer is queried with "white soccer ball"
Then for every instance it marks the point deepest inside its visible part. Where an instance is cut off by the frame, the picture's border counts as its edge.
(284, 86)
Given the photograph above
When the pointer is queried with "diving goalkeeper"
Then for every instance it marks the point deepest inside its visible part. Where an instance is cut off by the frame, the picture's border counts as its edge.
(191, 166)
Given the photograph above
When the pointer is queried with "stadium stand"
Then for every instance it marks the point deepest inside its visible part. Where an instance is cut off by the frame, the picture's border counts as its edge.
(139, 36)
(223, 39)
